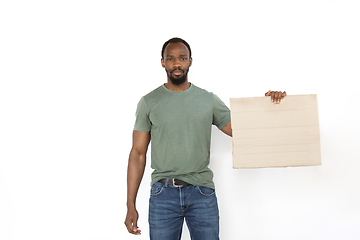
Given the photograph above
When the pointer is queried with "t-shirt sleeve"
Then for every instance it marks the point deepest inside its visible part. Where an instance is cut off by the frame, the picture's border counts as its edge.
(221, 113)
(142, 122)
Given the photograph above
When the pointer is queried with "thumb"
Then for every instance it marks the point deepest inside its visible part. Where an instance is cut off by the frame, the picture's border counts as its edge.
(135, 228)
(134, 225)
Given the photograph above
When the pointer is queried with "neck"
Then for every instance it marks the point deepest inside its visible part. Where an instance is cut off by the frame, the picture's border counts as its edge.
(178, 88)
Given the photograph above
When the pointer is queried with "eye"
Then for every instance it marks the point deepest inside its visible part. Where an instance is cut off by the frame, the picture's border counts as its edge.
(170, 59)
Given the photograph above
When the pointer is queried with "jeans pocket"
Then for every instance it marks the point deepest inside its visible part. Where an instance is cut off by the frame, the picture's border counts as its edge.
(205, 191)
(156, 189)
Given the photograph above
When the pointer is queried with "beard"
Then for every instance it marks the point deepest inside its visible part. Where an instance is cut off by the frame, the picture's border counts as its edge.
(178, 80)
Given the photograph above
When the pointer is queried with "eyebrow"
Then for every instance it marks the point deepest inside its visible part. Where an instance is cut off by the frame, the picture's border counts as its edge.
(182, 55)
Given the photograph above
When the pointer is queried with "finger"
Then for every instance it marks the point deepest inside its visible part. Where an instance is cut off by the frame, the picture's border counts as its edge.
(272, 94)
(136, 231)
(277, 97)
(273, 97)
(268, 93)
(128, 227)
(281, 96)
(132, 227)
(135, 228)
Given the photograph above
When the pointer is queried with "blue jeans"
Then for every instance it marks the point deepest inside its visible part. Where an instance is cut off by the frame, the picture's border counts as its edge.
(170, 205)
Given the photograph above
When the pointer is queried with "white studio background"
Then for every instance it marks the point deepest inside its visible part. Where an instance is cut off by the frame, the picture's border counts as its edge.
(72, 72)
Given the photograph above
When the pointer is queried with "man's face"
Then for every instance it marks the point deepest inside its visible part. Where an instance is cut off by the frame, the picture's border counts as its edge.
(176, 61)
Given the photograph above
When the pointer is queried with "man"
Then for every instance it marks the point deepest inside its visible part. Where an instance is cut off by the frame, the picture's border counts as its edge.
(178, 117)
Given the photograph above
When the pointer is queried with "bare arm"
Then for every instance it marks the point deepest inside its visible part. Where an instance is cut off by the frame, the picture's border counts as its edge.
(227, 129)
(136, 167)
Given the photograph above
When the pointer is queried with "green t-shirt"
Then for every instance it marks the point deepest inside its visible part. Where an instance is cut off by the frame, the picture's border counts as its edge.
(180, 125)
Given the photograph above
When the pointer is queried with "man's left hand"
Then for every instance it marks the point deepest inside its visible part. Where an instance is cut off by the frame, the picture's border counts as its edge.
(276, 96)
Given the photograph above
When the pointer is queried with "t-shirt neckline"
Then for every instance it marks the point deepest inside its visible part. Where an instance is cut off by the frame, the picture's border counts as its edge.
(177, 92)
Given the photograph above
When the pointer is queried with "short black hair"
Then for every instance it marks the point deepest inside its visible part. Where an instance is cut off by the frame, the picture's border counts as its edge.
(175, 40)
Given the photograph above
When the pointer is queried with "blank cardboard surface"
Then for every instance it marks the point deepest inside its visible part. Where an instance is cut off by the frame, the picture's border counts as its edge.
(275, 135)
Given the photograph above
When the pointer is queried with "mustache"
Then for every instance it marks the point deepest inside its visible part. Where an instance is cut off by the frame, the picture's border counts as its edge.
(177, 69)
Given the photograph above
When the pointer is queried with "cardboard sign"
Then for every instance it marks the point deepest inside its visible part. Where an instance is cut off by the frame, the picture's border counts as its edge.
(275, 135)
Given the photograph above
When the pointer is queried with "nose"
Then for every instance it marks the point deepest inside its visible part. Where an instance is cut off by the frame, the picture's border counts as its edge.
(176, 63)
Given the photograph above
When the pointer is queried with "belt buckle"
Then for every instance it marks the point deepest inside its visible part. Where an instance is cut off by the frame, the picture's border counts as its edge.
(173, 182)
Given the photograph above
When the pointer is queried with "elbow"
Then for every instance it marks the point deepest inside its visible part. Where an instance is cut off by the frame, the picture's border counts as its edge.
(136, 157)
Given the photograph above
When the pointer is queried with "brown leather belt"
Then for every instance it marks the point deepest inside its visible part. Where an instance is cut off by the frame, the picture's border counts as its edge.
(175, 182)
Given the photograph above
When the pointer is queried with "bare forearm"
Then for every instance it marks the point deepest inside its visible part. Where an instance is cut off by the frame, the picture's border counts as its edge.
(136, 166)
(227, 129)
(135, 173)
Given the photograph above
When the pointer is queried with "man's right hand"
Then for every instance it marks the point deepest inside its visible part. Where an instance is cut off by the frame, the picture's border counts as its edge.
(131, 221)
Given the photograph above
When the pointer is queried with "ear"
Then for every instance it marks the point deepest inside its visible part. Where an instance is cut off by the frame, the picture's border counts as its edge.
(190, 61)
(162, 62)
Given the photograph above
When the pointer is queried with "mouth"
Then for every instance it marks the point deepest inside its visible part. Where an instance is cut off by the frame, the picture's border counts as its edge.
(177, 72)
